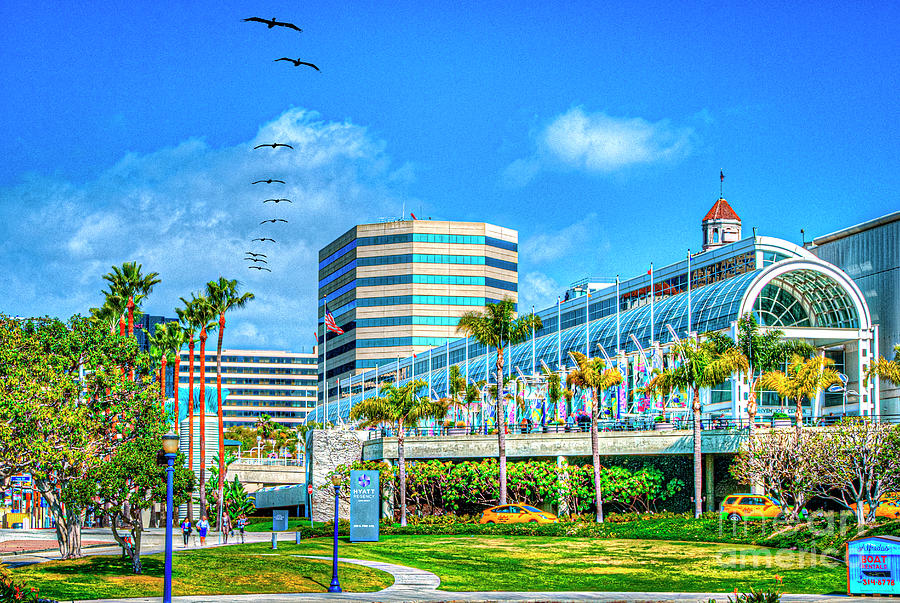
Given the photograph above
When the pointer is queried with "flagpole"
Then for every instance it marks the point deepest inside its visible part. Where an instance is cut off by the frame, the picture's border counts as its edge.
(689, 293)
(652, 296)
(558, 333)
(533, 365)
(325, 361)
(618, 329)
(587, 323)
(447, 367)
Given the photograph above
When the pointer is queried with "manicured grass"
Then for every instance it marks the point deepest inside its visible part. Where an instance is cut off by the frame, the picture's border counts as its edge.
(260, 524)
(215, 571)
(474, 562)
(551, 563)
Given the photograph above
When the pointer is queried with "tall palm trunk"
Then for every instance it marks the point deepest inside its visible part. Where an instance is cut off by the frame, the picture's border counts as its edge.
(222, 467)
(401, 462)
(799, 416)
(203, 422)
(162, 379)
(751, 408)
(130, 306)
(595, 456)
(698, 465)
(122, 326)
(191, 421)
(501, 426)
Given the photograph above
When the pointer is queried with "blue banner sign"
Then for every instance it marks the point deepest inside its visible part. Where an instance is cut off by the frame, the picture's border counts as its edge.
(365, 506)
(279, 520)
(21, 479)
(873, 566)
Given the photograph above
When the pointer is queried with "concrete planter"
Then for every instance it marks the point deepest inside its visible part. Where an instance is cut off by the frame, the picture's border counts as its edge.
(554, 428)
(781, 423)
(664, 426)
(456, 431)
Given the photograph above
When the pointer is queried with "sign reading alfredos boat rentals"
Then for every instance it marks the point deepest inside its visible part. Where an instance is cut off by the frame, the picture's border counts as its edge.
(873, 566)
(365, 506)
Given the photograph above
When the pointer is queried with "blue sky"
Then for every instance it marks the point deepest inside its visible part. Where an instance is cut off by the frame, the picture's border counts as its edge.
(596, 130)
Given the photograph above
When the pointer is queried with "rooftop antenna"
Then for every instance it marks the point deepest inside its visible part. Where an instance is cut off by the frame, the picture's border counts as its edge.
(721, 183)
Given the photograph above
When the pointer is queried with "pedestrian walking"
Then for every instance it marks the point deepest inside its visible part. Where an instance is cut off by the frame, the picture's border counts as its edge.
(241, 524)
(186, 529)
(226, 526)
(202, 529)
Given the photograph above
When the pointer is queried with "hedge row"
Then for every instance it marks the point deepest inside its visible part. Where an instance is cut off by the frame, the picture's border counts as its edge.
(822, 534)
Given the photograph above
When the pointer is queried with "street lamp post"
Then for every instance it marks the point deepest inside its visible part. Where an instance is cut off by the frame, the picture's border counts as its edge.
(335, 586)
(170, 448)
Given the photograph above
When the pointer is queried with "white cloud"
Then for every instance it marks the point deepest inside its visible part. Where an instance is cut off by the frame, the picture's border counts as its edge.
(599, 143)
(190, 212)
(551, 246)
(538, 290)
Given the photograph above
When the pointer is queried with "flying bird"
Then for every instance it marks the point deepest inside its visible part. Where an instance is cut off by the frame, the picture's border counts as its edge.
(273, 23)
(263, 239)
(297, 62)
(273, 145)
(273, 220)
(269, 181)
(259, 268)
(257, 260)
(277, 201)
(256, 255)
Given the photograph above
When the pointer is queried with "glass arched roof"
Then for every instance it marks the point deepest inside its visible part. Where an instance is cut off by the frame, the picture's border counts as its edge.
(798, 298)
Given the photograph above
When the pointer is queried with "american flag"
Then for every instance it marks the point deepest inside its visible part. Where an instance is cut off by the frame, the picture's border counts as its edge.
(331, 325)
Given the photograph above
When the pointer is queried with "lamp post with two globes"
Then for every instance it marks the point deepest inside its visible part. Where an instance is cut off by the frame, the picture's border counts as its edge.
(335, 586)
(170, 449)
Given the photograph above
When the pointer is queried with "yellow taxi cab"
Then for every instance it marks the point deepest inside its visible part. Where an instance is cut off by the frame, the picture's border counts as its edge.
(888, 506)
(740, 507)
(516, 514)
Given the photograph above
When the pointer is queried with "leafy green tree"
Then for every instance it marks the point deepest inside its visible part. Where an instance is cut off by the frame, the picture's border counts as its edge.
(496, 327)
(65, 406)
(130, 284)
(223, 296)
(764, 351)
(889, 370)
(131, 482)
(804, 378)
(592, 374)
(702, 364)
(401, 407)
(554, 388)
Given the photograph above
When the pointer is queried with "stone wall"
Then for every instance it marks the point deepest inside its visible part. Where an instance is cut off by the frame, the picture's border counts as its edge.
(327, 449)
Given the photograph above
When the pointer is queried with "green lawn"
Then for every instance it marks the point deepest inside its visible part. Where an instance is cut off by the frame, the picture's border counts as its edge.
(215, 571)
(463, 563)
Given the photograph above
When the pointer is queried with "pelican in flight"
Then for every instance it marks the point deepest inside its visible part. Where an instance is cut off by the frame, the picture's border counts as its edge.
(263, 239)
(273, 220)
(277, 201)
(297, 62)
(256, 255)
(273, 145)
(273, 23)
(269, 181)
(259, 268)
(257, 260)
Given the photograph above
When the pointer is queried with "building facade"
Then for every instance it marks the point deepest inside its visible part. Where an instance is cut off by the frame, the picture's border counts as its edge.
(398, 288)
(870, 254)
(635, 322)
(147, 323)
(271, 382)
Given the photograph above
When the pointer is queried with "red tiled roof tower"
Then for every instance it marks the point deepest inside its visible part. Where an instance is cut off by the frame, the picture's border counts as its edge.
(721, 211)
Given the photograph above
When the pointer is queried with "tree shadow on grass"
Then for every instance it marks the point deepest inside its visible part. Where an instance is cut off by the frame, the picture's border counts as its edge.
(107, 566)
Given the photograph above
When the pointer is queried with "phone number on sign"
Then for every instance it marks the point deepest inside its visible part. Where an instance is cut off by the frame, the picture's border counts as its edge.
(882, 582)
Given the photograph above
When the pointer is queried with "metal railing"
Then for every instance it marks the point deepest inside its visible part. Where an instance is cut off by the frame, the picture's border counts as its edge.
(271, 462)
(722, 424)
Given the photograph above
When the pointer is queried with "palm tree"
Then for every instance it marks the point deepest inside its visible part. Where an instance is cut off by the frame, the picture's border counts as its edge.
(804, 378)
(496, 327)
(158, 351)
(223, 296)
(702, 364)
(190, 323)
(204, 317)
(457, 386)
(174, 342)
(473, 394)
(401, 407)
(592, 374)
(765, 351)
(110, 313)
(131, 285)
(554, 390)
(888, 370)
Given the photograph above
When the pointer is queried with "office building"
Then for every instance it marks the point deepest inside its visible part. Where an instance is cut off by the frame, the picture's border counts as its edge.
(870, 254)
(398, 288)
(635, 322)
(271, 382)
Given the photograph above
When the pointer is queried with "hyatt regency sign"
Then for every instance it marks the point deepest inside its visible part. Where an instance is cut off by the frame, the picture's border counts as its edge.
(365, 506)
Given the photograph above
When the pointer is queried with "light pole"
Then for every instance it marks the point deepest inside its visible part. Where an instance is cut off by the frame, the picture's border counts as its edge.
(335, 586)
(170, 448)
